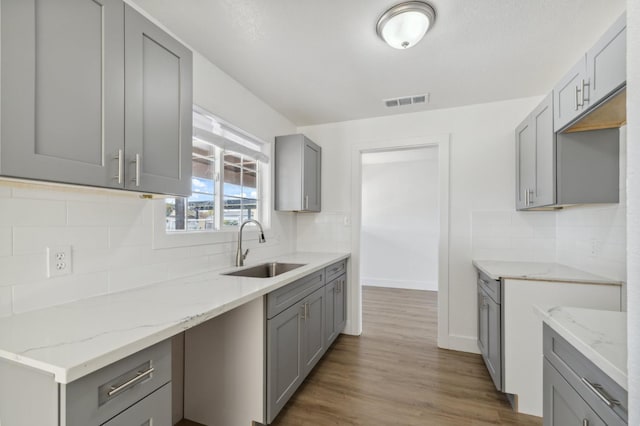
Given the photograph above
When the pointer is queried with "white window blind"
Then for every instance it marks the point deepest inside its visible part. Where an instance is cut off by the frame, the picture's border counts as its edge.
(215, 131)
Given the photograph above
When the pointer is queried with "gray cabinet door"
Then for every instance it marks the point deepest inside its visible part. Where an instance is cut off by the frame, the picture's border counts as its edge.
(62, 90)
(568, 95)
(483, 323)
(340, 308)
(494, 343)
(544, 191)
(607, 62)
(158, 100)
(562, 406)
(330, 296)
(285, 370)
(313, 334)
(335, 308)
(311, 176)
(525, 163)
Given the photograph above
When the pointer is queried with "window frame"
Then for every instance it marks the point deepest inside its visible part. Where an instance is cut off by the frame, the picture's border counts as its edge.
(162, 238)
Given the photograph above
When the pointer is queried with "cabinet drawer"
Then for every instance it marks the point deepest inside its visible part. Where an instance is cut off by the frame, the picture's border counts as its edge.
(282, 298)
(154, 410)
(582, 375)
(94, 399)
(490, 286)
(335, 270)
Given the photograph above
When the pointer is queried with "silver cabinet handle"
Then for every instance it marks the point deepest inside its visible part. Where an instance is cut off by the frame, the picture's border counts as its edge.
(577, 97)
(600, 393)
(136, 178)
(306, 310)
(120, 159)
(530, 197)
(585, 422)
(526, 197)
(306, 202)
(585, 96)
(141, 375)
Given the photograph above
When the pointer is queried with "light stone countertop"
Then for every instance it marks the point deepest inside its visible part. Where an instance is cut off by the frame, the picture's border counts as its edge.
(78, 338)
(601, 336)
(539, 271)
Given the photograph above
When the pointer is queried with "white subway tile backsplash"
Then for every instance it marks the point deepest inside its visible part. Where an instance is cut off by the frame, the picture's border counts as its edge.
(56, 291)
(37, 213)
(105, 214)
(6, 301)
(21, 270)
(129, 236)
(6, 240)
(27, 240)
(139, 276)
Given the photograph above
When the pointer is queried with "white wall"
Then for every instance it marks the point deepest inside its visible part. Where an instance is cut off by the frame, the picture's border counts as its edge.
(633, 207)
(482, 178)
(400, 226)
(111, 232)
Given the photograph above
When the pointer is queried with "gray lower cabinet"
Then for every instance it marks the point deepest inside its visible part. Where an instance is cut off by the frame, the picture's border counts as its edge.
(285, 369)
(298, 335)
(335, 313)
(575, 391)
(562, 404)
(490, 327)
(93, 94)
(298, 162)
(131, 391)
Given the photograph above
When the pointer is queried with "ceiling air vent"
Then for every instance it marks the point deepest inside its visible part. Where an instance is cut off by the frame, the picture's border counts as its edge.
(407, 100)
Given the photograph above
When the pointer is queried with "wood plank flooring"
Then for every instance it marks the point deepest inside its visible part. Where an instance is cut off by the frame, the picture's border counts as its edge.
(394, 374)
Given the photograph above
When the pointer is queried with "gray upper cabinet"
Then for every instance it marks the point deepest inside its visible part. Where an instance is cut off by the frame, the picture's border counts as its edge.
(598, 74)
(64, 95)
(62, 90)
(159, 109)
(536, 158)
(568, 95)
(607, 62)
(298, 163)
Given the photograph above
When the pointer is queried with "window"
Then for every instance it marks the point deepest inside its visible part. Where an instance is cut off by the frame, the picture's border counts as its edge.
(226, 185)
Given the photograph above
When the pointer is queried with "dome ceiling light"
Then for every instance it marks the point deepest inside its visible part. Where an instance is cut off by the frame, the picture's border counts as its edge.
(404, 25)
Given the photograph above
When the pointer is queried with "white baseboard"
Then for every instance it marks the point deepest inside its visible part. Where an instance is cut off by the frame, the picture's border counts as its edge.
(406, 284)
(461, 343)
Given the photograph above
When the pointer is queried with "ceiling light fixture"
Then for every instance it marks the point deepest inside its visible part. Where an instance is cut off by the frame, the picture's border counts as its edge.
(404, 25)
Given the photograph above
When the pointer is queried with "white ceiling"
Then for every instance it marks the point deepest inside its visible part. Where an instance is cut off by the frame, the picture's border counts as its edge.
(319, 61)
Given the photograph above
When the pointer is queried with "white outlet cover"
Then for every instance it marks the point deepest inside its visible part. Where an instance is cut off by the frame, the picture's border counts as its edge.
(58, 261)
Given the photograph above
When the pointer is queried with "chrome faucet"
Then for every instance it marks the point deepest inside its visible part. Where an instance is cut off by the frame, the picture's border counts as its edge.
(240, 257)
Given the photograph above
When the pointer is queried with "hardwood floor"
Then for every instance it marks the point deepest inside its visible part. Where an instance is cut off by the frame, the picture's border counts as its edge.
(394, 374)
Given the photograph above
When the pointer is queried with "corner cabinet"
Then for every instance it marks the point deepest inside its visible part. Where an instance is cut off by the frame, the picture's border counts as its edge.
(298, 164)
(93, 94)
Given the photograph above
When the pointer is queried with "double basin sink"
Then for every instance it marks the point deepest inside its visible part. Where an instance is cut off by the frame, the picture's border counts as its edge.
(266, 270)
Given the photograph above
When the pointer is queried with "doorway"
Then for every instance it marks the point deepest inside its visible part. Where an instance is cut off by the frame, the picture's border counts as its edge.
(441, 144)
(400, 219)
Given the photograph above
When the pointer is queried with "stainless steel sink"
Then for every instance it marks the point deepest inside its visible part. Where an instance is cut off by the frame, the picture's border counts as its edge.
(266, 270)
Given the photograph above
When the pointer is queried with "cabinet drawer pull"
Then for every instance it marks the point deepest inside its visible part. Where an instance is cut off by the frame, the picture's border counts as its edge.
(601, 393)
(120, 159)
(136, 178)
(141, 375)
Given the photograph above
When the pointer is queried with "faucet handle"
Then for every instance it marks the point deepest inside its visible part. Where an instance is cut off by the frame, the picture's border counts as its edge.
(244, 256)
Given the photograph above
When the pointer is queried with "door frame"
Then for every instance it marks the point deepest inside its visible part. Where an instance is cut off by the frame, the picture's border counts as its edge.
(354, 312)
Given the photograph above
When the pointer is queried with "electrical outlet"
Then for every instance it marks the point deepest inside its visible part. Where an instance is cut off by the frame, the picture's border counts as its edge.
(58, 261)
